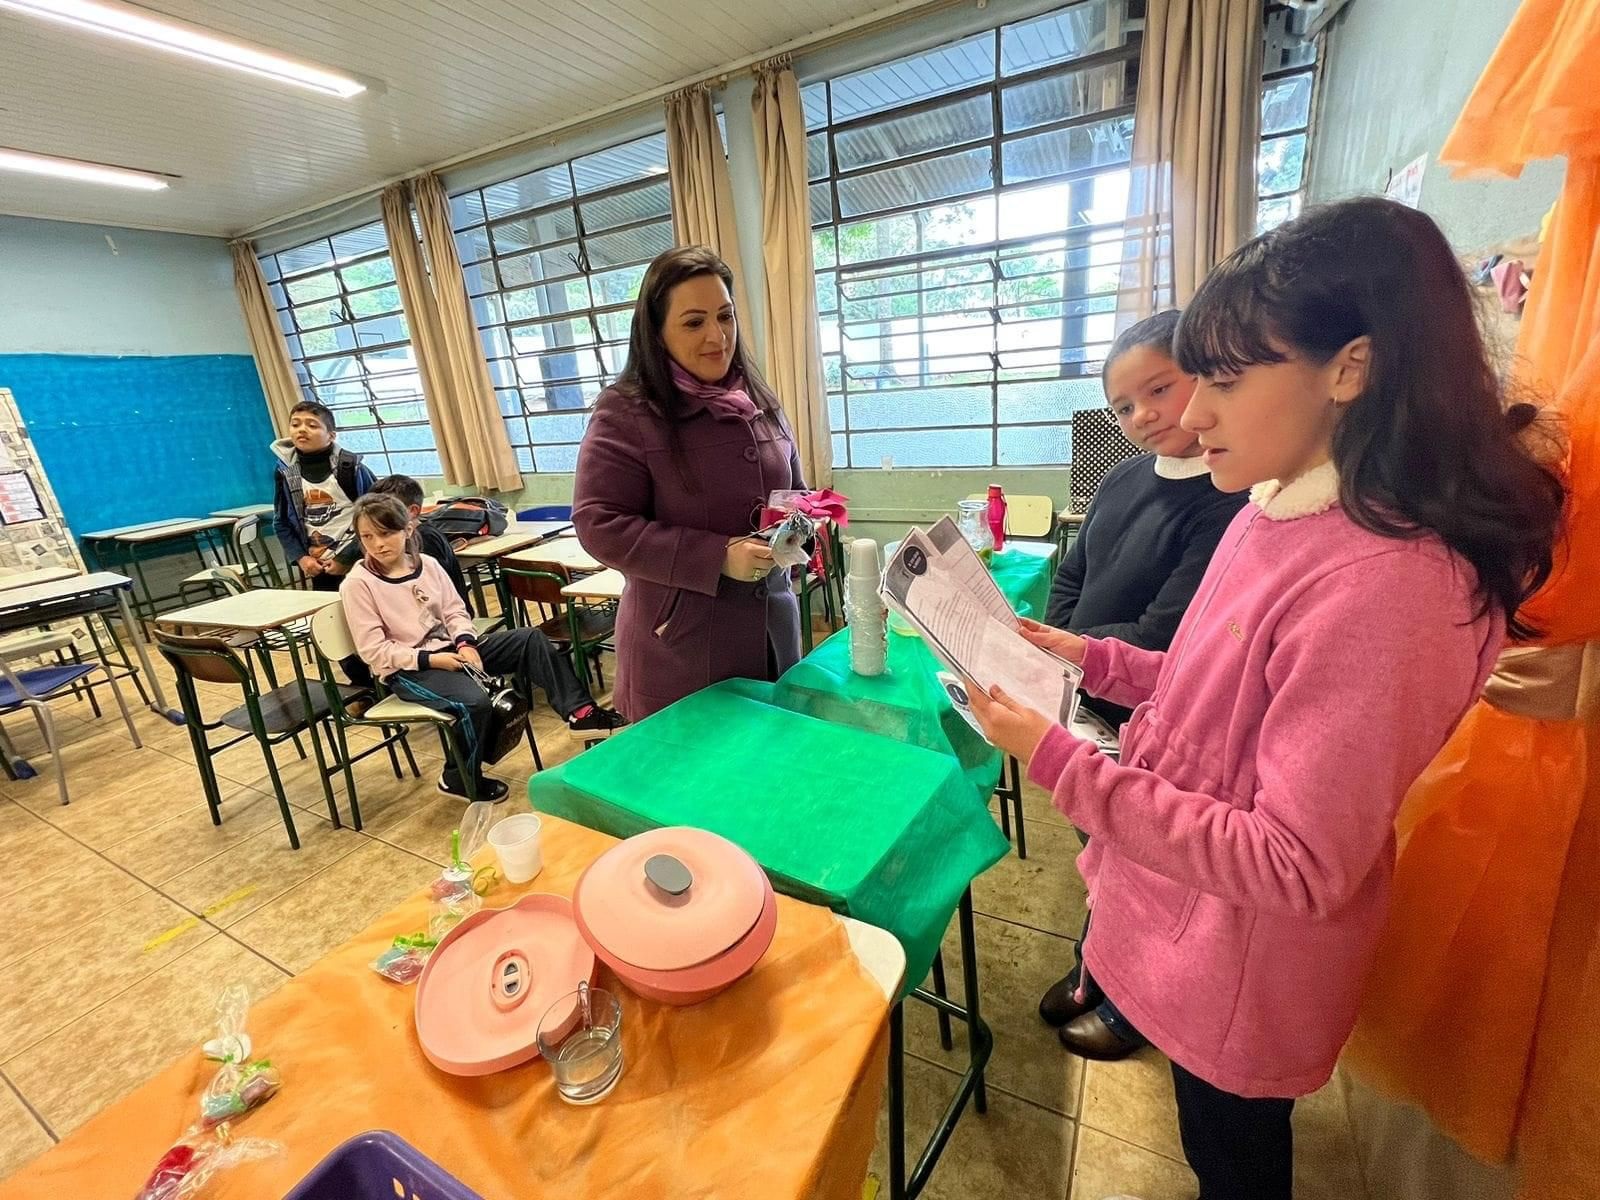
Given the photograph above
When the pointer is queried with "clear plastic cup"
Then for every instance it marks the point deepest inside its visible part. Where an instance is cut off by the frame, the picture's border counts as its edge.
(581, 1037)
(516, 845)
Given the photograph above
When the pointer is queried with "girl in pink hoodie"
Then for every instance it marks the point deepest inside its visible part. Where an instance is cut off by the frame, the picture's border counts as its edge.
(1240, 854)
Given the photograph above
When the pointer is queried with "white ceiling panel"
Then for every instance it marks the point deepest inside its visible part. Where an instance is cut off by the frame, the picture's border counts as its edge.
(448, 79)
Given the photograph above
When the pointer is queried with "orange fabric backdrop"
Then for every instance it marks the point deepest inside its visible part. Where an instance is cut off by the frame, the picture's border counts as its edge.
(770, 1089)
(1482, 1004)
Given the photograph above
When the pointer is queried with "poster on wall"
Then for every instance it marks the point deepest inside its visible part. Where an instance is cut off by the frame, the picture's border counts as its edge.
(1405, 185)
(19, 503)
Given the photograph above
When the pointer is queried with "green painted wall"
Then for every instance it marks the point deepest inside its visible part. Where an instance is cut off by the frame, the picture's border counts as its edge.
(1396, 74)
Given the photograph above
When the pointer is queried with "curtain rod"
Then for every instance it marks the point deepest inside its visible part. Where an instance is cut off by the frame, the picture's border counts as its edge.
(888, 17)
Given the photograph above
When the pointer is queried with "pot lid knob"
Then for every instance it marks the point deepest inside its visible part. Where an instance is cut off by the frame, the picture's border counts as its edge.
(668, 873)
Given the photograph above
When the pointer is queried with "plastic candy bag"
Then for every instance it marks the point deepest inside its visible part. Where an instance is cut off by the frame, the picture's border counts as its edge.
(457, 894)
(239, 1086)
(789, 537)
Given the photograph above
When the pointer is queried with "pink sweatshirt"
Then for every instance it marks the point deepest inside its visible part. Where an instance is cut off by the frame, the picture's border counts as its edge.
(1240, 856)
(396, 623)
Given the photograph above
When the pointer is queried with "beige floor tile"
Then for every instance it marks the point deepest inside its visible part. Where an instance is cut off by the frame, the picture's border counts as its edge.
(1106, 1166)
(1015, 967)
(426, 832)
(61, 902)
(152, 790)
(1036, 807)
(1044, 890)
(1325, 1163)
(99, 759)
(334, 905)
(188, 838)
(261, 868)
(34, 847)
(384, 799)
(1015, 1150)
(59, 982)
(1132, 1100)
(21, 1135)
(99, 1058)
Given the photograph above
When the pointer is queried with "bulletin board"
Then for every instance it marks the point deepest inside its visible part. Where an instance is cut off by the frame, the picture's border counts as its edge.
(131, 439)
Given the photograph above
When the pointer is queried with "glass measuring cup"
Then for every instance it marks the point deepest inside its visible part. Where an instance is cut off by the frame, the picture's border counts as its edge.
(581, 1037)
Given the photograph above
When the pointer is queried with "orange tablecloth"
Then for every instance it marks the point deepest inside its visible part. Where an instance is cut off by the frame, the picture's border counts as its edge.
(768, 1090)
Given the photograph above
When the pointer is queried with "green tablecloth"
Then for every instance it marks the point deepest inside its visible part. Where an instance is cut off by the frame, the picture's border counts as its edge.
(868, 795)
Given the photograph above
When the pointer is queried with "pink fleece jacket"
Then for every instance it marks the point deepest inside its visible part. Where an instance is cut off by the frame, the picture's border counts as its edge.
(398, 622)
(1240, 855)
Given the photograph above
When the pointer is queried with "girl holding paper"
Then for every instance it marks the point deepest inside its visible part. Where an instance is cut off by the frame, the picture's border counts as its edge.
(1240, 855)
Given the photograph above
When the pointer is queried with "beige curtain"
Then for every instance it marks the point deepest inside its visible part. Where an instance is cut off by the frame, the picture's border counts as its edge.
(1196, 123)
(473, 447)
(793, 350)
(273, 364)
(702, 194)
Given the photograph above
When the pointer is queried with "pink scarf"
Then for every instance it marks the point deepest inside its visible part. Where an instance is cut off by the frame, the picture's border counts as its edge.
(727, 400)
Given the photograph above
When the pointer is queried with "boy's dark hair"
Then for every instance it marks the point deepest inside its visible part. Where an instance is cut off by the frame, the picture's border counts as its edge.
(320, 411)
(1432, 444)
(405, 488)
(1157, 331)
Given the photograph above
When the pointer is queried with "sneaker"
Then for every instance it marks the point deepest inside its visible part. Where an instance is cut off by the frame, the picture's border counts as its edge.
(596, 723)
(491, 790)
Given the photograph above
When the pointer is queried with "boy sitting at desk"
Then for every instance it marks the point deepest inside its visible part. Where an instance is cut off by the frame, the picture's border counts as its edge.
(1138, 558)
(315, 484)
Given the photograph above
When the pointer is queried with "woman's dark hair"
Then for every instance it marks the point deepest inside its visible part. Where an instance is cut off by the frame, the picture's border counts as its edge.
(388, 512)
(1156, 332)
(1431, 444)
(648, 372)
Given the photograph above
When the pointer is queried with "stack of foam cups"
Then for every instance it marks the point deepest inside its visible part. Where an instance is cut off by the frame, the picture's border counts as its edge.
(865, 610)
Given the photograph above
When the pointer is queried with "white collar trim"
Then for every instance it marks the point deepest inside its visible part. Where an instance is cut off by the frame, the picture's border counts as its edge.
(1314, 492)
(1168, 467)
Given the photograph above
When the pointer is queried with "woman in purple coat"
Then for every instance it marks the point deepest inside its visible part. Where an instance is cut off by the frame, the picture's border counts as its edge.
(672, 478)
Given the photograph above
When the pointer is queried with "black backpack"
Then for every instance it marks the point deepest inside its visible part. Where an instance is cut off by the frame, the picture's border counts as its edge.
(468, 517)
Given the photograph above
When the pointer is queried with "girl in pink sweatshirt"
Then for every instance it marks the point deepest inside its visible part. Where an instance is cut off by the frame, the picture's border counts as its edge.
(1240, 854)
(412, 628)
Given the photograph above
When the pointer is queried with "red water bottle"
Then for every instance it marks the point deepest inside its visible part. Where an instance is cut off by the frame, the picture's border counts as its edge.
(997, 515)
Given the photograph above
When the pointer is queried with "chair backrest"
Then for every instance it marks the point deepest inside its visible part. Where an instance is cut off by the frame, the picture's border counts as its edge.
(1097, 446)
(536, 582)
(208, 658)
(330, 633)
(229, 581)
(245, 530)
(546, 512)
(1026, 516)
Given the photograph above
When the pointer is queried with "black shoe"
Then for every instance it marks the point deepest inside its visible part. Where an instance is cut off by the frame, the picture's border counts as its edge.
(596, 723)
(491, 790)
(1090, 1037)
(1060, 1005)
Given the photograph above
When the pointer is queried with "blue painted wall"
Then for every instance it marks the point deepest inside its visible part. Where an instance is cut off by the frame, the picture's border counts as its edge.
(144, 438)
(128, 357)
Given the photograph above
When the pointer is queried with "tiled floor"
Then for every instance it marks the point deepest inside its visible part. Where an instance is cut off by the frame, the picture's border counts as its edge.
(131, 891)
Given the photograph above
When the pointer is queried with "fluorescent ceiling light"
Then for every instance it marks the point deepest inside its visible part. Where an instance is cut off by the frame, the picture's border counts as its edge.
(82, 172)
(140, 25)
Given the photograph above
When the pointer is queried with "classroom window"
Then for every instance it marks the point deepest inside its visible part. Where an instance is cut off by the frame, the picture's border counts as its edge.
(339, 308)
(1289, 71)
(554, 259)
(967, 209)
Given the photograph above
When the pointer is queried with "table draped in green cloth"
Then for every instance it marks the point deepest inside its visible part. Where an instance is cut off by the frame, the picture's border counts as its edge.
(869, 795)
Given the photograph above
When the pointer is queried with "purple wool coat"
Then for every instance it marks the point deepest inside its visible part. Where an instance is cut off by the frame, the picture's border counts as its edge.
(682, 625)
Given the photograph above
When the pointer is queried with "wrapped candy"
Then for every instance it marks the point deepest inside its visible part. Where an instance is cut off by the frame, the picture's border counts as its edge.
(239, 1086)
(456, 894)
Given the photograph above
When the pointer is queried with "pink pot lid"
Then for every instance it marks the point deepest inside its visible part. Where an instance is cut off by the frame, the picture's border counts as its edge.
(493, 976)
(671, 898)
(689, 985)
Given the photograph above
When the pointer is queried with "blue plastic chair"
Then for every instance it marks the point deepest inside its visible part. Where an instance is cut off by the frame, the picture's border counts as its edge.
(35, 688)
(546, 512)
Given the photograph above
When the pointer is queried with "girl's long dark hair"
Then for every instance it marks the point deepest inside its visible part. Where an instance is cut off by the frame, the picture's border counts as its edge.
(1431, 444)
(647, 374)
